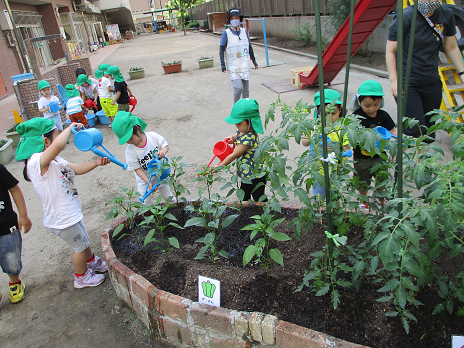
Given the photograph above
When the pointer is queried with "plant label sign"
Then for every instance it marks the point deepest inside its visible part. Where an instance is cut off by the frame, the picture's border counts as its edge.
(458, 341)
(209, 291)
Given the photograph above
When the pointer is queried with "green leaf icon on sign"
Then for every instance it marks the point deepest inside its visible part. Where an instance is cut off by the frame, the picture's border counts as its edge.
(208, 289)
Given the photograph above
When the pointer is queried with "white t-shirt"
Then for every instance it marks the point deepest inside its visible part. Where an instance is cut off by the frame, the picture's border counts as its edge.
(43, 102)
(56, 189)
(102, 87)
(139, 157)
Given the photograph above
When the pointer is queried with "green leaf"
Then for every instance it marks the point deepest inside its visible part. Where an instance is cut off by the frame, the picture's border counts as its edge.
(411, 233)
(391, 285)
(280, 236)
(174, 242)
(384, 299)
(228, 220)
(201, 253)
(324, 290)
(195, 221)
(405, 324)
(391, 314)
(209, 239)
(223, 253)
(276, 255)
(248, 255)
(117, 230)
(401, 295)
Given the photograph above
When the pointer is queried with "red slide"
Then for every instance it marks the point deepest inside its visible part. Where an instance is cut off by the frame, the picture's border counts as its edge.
(368, 14)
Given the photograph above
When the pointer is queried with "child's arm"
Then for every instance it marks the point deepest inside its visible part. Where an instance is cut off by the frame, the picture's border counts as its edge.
(45, 109)
(84, 168)
(110, 89)
(84, 108)
(238, 152)
(161, 153)
(232, 138)
(394, 131)
(116, 97)
(56, 147)
(143, 176)
(129, 90)
(18, 198)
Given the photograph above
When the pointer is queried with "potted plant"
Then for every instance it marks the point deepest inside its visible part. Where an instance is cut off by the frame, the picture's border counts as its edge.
(6, 151)
(205, 62)
(136, 73)
(12, 134)
(172, 67)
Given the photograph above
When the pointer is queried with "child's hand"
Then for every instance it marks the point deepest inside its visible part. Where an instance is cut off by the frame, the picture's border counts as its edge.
(25, 222)
(160, 154)
(230, 140)
(48, 109)
(77, 124)
(101, 161)
(112, 103)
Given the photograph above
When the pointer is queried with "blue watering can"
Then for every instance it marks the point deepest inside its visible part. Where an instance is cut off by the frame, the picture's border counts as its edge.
(347, 153)
(55, 107)
(153, 167)
(62, 93)
(384, 133)
(89, 139)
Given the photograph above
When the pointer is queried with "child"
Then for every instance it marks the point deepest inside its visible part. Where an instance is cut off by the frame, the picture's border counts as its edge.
(53, 181)
(75, 105)
(87, 89)
(105, 90)
(10, 232)
(123, 91)
(333, 114)
(45, 100)
(141, 149)
(245, 116)
(367, 104)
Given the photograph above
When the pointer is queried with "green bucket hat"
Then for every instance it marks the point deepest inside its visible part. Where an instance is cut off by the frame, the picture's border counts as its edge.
(42, 84)
(71, 91)
(123, 126)
(246, 109)
(329, 96)
(103, 67)
(83, 78)
(31, 132)
(369, 88)
(98, 74)
(114, 70)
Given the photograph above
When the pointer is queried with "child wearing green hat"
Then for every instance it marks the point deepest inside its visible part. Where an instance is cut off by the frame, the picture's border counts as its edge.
(10, 232)
(142, 147)
(87, 89)
(75, 105)
(53, 181)
(333, 105)
(367, 104)
(44, 103)
(245, 116)
(105, 92)
(123, 91)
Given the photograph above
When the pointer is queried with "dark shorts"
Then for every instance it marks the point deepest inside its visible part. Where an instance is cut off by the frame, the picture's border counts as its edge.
(363, 167)
(123, 107)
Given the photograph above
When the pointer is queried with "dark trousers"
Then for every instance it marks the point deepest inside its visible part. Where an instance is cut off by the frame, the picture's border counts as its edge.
(248, 188)
(421, 100)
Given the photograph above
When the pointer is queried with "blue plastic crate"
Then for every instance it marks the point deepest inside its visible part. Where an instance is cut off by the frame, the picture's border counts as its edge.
(102, 118)
(90, 119)
(22, 77)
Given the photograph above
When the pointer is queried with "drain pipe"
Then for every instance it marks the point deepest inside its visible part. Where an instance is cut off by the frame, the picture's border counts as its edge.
(22, 48)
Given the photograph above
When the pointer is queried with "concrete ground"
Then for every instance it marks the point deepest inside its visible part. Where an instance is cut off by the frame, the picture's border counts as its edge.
(188, 109)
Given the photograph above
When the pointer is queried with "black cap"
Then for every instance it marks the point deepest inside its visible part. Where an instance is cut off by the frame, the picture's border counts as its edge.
(234, 12)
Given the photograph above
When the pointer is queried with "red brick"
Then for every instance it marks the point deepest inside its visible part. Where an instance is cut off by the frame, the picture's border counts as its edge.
(109, 254)
(141, 310)
(141, 287)
(336, 342)
(294, 336)
(171, 305)
(176, 331)
(231, 343)
(122, 274)
(214, 318)
(105, 240)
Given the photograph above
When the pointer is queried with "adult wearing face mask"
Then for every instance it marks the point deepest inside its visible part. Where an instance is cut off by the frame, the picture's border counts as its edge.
(434, 29)
(236, 46)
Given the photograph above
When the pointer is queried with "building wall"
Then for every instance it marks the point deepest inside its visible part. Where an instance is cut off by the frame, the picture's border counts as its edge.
(10, 65)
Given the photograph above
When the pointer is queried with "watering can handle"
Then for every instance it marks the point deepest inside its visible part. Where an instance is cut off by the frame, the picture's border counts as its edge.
(233, 145)
(148, 192)
(109, 155)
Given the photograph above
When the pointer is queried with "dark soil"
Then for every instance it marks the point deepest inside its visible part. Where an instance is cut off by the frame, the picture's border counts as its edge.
(372, 60)
(359, 318)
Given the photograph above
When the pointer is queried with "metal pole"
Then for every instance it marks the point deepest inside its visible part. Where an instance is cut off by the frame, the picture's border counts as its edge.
(348, 61)
(325, 165)
(22, 47)
(265, 41)
(400, 100)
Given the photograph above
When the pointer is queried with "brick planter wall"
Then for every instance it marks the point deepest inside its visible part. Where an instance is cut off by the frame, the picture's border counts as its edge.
(179, 322)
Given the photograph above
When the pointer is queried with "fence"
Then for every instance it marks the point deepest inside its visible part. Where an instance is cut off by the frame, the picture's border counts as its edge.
(258, 8)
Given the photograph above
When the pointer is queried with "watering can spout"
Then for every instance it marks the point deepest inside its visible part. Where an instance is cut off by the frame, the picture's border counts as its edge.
(109, 155)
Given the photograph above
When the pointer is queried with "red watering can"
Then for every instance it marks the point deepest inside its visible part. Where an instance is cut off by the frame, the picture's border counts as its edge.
(133, 102)
(221, 150)
(89, 103)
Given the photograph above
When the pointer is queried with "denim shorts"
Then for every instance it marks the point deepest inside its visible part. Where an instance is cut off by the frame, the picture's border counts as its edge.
(76, 236)
(10, 253)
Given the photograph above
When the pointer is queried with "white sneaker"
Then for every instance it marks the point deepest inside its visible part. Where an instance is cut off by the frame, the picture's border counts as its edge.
(97, 265)
(88, 279)
(109, 125)
(364, 207)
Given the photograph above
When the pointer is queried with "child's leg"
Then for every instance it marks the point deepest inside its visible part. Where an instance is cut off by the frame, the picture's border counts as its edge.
(259, 192)
(247, 188)
(238, 88)
(10, 255)
(363, 168)
(79, 260)
(58, 123)
(165, 190)
(246, 89)
(81, 118)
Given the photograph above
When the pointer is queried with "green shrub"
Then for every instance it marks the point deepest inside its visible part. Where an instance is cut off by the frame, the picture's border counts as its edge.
(205, 25)
(303, 33)
(339, 11)
(194, 25)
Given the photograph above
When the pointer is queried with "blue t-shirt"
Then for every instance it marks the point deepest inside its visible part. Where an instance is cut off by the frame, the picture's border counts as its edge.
(73, 105)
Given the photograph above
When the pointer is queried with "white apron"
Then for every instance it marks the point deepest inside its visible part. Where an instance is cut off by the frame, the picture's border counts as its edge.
(237, 55)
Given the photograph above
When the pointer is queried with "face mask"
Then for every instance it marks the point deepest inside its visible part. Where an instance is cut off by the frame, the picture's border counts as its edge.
(428, 6)
(235, 23)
